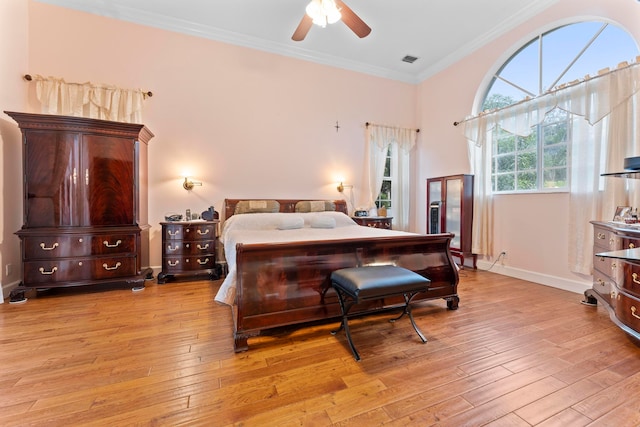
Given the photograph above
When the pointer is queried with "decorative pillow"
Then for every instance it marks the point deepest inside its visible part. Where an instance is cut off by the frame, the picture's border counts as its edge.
(315, 206)
(257, 206)
(323, 222)
(290, 222)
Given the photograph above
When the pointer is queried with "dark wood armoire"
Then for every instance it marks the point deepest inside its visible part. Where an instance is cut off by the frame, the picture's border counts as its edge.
(85, 203)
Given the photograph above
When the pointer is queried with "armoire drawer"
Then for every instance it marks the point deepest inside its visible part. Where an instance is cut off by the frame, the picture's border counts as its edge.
(78, 269)
(66, 246)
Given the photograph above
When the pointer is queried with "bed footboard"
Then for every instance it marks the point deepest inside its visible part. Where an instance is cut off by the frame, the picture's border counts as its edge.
(289, 283)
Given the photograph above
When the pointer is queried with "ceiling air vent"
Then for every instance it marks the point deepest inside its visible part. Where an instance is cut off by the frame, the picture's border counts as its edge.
(410, 59)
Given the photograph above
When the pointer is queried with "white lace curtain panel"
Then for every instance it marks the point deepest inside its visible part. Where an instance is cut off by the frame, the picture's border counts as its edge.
(98, 101)
(606, 129)
(378, 139)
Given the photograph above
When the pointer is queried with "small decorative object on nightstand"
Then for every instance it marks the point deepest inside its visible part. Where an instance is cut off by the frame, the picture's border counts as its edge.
(189, 249)
(385, 222)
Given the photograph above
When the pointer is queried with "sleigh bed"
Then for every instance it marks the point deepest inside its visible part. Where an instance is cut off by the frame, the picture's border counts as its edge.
(280, 254)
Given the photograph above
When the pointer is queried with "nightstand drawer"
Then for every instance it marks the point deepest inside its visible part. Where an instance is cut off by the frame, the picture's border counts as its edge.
(195, 247)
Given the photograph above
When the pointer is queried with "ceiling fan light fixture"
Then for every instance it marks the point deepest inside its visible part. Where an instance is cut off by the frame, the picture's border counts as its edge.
(323, 12)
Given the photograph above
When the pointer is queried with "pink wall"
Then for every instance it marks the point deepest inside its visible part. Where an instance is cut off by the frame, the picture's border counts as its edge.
(253, 124)
(244, 122)
(531, 228)
(13, 63)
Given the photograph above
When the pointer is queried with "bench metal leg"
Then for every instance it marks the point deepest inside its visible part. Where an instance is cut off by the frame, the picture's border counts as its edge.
(407, 311)
(345, 307)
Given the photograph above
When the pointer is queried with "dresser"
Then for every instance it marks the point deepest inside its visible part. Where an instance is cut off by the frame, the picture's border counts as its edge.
(189, 250)
(616, 276)
(385, 222)
(85, 203)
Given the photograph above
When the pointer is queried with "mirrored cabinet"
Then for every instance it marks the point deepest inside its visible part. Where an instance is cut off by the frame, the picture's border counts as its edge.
(450, 210)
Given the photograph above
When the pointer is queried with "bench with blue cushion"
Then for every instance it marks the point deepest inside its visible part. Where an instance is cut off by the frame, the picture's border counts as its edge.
(358, 284)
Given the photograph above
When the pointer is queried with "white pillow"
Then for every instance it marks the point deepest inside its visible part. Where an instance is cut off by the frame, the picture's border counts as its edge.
(290, 222)
(323, 222)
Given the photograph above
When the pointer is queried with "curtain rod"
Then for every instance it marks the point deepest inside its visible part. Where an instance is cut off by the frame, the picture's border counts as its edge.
(601, 73)
(28, 78)
(390, 127)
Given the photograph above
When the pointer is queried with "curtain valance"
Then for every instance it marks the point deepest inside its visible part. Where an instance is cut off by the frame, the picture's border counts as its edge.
(592, 98)
(96, 101)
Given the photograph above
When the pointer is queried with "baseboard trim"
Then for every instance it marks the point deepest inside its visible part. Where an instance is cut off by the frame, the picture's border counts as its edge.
(576, 286)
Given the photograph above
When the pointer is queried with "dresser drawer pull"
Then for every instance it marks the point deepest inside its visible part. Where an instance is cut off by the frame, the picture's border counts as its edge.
(44, 248)
(169, 248)
(174, 233)
(631, 246)
(203, 233)
(173, 264)
(612, 241)
(613, 265)
(635, 278)
(202, 248)
(633, 312)
(53, 270)
(203, 262)
(600, 281)
(601, 236)
(613, 295)
(115, 267)
(115, 245)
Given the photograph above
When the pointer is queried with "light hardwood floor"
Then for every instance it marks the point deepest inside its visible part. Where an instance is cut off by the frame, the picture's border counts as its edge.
(514, 354)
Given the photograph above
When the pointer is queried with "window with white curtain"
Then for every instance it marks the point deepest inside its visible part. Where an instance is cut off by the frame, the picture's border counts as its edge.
(385, 198)
(540, 161)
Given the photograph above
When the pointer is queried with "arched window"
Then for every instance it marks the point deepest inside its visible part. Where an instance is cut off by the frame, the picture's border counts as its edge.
(539, 162)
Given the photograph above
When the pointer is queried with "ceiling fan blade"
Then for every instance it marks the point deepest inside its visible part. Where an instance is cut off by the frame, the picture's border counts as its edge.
(352, 20)
(303, 28)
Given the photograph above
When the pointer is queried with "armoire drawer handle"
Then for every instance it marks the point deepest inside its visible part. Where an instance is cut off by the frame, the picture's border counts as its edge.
(633, 312)
(173, 264)
(115, 267)
(169, 248)
(174, 233)
(203, 262)
(52, 247)
(203, 247)
(202, 233)
(53, 270)
(115, 245)
(635, 278)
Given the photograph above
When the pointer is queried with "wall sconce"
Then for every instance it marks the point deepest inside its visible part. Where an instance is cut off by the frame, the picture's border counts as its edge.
(189, 184)
(342, 186)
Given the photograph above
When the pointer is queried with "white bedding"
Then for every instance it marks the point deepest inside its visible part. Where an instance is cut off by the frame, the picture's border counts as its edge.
(285, 227)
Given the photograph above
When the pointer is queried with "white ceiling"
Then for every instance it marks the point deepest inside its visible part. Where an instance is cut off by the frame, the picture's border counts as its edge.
(438, 32)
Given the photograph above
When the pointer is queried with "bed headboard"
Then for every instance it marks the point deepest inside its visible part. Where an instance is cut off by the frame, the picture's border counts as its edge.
(286, 205)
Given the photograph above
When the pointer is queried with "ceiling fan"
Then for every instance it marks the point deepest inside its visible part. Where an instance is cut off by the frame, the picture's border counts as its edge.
(323, 12)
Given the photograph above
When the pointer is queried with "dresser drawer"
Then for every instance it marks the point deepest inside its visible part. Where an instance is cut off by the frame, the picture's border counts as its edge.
(609, 267)
(197, 247)
(203, 231)
(628, 310)
(52, 247)
(606, 239)
(602, 284)
(173, 265)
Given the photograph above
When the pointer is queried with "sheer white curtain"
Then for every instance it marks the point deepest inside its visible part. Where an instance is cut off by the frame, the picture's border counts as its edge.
(605, 131)
(89, 100)
(378, 139)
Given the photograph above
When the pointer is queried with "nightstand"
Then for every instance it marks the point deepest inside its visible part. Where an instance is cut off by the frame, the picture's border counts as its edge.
(374, 221)
(189, 249)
